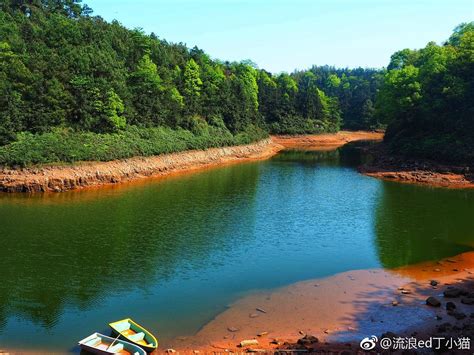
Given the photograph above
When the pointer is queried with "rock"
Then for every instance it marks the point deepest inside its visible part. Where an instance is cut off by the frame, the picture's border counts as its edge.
(442, 328)
(276, 342)
(450, 306)
(452, 292)
(262, 334)
(468, 300)
(248, 342)
(308, 340)
(326, 331)
(433, 302)
(457, 315)
(261, 310)
(389, 335)
(301, 332)
(233, 329)
(394, 303)
(253, 315)
(437, 270)
(406, 292)
(438, 317)
(433, 283)
(169, 351)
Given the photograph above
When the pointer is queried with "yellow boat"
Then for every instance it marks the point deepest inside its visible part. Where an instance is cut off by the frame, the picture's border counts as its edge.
(135, 333)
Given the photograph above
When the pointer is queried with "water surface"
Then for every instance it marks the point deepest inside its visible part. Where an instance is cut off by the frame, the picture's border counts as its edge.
(173, 253)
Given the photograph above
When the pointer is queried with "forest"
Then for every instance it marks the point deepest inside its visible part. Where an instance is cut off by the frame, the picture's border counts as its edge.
(427, 99)
(75, 87)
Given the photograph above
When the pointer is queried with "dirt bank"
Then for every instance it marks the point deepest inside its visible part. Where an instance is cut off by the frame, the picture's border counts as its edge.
(57, 178)
(396, 168)
(343, 309)
(88, 174)
(327, 141)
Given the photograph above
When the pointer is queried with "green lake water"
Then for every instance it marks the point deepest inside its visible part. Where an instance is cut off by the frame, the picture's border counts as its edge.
(173, 253)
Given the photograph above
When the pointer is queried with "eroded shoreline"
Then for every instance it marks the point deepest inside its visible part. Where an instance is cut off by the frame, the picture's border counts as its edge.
(59, 178)
(90, 174)
(390, 167)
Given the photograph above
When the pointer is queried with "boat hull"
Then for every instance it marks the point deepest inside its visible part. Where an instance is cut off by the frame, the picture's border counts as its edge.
(149, 337)
(90, 345)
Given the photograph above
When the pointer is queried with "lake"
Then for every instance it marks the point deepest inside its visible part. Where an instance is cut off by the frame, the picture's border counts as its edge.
(172, 253)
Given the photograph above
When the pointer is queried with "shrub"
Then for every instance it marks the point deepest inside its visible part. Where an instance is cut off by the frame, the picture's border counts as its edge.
(69, 146)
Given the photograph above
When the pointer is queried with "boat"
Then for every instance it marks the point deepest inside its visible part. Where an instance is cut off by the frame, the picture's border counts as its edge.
(102, 344)
(135, 333)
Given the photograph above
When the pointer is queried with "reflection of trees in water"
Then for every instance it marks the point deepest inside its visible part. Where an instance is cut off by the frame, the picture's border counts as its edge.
(308, 157)
(77, 250)
(415, 224)
(350, 155)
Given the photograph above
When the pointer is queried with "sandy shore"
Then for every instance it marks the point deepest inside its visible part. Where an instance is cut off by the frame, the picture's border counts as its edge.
(343, 309)
(328, 141)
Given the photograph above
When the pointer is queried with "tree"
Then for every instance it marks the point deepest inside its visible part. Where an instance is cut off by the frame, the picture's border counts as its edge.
(368, 113)
(426, 98)
(147, 88)
(112, 116)
(192, 87)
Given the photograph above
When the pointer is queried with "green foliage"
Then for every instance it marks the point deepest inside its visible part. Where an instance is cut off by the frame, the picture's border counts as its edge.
(113, 110)
(351, 87)
(427, 99)
(192, 85)
(61, 68)
(67, 75)
(66, 145)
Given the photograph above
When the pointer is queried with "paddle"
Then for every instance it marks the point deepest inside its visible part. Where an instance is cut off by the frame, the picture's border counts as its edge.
(112, 343)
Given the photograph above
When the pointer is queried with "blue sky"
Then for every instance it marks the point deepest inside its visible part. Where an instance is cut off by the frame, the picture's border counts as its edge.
(294, 34)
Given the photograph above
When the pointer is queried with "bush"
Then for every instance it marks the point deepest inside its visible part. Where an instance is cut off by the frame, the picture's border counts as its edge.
(299, 125)
(69, 146)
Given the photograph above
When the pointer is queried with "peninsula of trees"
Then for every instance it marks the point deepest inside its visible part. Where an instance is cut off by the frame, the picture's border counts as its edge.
(427, 99)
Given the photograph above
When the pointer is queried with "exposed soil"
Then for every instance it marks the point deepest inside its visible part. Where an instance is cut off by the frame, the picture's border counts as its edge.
(88, 174)
(343, 309)
(58, 178)
(401, 169)
(327, 141)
